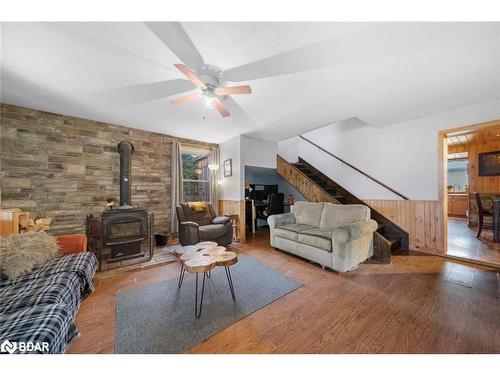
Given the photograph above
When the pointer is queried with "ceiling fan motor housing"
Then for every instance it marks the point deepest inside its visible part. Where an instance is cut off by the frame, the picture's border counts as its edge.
(211, 76)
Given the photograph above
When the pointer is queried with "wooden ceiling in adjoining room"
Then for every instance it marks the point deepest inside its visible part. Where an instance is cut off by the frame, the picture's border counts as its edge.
(458, 142)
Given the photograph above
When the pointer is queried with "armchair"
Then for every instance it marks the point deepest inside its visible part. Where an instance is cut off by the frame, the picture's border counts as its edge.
(197, 226)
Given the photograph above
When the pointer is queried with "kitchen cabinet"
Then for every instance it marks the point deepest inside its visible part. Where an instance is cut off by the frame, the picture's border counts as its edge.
(458, 205)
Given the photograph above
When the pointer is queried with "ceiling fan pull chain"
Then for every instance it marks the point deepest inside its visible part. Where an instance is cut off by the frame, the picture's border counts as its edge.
(205, 110)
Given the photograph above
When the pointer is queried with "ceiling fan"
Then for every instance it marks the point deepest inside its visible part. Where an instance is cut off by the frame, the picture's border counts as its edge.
(203, 81)
(209, 83)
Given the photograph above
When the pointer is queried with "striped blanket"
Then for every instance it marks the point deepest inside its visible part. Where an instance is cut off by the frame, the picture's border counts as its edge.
(40, 308)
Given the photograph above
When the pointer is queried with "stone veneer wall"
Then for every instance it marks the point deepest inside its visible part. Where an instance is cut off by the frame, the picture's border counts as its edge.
(65, 167)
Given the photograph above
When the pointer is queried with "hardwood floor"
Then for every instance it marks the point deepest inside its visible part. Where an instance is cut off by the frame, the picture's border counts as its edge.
(417, 304)
(462, 242)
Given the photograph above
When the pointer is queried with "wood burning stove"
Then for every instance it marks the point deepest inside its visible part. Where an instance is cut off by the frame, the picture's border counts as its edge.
(125, 233)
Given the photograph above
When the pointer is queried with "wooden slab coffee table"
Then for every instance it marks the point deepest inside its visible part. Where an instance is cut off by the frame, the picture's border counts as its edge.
(194, 251)
(191, 248)
(203, 261)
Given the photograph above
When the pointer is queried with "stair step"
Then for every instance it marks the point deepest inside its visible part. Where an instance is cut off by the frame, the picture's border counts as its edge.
(324, 185)
(392, 237)
(395, 244)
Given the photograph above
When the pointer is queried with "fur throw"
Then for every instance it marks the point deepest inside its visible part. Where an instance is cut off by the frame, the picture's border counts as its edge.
(21, 253)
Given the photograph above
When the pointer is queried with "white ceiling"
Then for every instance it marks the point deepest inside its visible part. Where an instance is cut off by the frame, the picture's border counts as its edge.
(303, 75)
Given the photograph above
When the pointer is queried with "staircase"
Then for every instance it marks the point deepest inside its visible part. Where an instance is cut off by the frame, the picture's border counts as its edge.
(316, 187)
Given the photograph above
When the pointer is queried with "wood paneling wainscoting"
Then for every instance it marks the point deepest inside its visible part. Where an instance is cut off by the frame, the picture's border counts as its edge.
(419, 218)
(235, 207)
(482, 184)
(310, 191)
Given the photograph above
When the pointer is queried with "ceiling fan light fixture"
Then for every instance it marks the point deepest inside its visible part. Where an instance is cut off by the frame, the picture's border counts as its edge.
(208, 79)
(208, 101)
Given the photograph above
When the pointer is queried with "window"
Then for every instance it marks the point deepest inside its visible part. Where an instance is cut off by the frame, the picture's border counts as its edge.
(195, 175)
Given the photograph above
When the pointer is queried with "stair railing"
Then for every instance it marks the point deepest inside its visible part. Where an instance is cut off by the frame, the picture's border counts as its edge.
(355, 168)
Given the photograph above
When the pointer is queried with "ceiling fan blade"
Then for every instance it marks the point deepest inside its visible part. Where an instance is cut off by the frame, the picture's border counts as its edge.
(368, 43)
(238, 113)
(173, 35)
(190, 75)
(231, 90)
(220, 107)
(186, 99)
(137, 94)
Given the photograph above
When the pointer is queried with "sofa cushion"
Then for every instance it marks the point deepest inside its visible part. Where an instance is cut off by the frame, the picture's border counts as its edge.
(295, 227)
(308, 213)
(320, 238)
(336, 215)
(290, 231)
(288, 234)
(212, 231)
(323, 233)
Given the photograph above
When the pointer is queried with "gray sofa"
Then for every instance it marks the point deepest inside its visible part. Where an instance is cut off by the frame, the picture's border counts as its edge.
(333, 235)
(195, 227)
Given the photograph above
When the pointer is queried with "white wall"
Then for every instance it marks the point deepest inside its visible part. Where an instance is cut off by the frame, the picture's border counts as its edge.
(244, 151)
(258, 152)
(349, 179)
(403, 156)
(231, 188)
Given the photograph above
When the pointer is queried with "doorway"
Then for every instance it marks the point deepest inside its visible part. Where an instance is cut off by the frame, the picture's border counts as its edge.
(461, 179)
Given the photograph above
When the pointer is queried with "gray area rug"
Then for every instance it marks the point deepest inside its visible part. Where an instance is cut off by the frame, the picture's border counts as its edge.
(159, 318)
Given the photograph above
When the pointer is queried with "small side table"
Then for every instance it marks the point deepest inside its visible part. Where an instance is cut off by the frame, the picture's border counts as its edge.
(235, 222)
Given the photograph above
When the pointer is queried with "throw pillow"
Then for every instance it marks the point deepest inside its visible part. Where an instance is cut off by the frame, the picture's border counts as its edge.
(21, 253)
(197, 206)
(199, 213)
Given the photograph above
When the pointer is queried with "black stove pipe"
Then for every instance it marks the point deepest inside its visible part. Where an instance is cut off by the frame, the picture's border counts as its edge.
(126, 149)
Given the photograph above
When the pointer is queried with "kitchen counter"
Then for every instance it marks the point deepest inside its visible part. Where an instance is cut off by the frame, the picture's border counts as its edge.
(458, 193)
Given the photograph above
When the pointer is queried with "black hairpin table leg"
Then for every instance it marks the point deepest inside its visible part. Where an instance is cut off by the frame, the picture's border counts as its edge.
(197, 310)
(230, 281)
(181, 276)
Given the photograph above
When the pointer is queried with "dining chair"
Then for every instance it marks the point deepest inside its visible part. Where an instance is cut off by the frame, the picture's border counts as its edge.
(482, 213)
